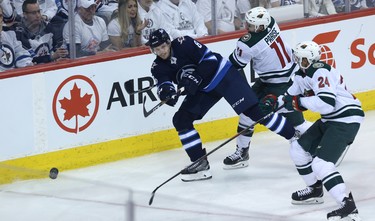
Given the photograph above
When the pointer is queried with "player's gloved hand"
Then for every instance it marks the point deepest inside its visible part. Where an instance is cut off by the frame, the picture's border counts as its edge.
(190, 81)
(167, 92)
(293, 103)
(268, 103)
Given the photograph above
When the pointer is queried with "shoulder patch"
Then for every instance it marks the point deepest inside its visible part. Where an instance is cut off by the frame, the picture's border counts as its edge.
(246, 37)
(318, 65)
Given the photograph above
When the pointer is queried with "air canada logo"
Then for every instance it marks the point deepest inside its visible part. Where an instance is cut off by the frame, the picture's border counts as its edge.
(323, 39)
(75, 103)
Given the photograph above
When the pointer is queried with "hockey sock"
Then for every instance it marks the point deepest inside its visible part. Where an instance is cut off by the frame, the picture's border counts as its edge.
(192, 144)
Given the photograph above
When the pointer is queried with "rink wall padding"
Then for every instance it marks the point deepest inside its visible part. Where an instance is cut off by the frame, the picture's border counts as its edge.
(38, 166)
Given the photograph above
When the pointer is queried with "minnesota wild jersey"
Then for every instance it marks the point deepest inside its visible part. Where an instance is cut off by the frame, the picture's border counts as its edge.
(271, 55)
(325, 92)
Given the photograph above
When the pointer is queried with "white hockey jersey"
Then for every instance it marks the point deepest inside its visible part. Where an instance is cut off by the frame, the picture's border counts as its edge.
(325, 92)
(89, 36)
(156, 20)
(12, 54)
(184, 18)
(271, 55)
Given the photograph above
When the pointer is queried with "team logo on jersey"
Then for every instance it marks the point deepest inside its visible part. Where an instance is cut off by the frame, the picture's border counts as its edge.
(187, 69)
(150, 23)
(326, 53)
(7, 59)
(317, 65)
(246, 37)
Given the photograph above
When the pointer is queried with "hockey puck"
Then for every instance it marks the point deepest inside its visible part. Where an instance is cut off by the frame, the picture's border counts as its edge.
(53, 173)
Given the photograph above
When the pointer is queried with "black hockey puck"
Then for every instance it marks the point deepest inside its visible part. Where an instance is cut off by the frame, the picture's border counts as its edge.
(53, 173)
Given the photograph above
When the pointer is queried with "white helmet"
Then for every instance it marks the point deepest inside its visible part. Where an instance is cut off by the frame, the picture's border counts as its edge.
(307, 49)
(258, 16)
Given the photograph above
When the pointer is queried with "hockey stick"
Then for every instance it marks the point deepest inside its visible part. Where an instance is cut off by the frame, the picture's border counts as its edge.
(129, 87)
(213, 150)
(342, 156)
(148, 113)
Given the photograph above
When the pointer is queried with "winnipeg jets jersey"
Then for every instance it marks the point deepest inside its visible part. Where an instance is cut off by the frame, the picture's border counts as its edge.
(271, 55)
(12, 54)
(41, 44)
(188, 54)
(184, 18)
(89, 36)
(156, 20)
(325, 92)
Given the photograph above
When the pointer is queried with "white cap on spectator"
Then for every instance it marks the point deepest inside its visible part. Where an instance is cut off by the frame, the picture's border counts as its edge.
(86, 3)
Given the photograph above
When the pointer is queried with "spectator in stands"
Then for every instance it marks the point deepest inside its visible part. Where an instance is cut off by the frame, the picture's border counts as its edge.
(370, 3)
(9, 14)
(63, 8)
(183, 16)
(225, 15)
(242, 7)
(106, 8)
(319, 8)
(148, 10)
(38, 37)
(125, 29)
(90, 30)
(354, 5)
(48, 8)
(12, 54)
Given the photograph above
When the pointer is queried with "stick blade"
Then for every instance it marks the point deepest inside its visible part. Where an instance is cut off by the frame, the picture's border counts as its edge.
(151, 199)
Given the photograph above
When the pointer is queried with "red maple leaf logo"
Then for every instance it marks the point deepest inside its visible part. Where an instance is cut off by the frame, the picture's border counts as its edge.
(76, 106)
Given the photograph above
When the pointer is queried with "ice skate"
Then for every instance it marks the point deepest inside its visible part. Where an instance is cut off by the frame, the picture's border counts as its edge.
(310, 195)
(347, 212)
(198, 171)
(238, 159)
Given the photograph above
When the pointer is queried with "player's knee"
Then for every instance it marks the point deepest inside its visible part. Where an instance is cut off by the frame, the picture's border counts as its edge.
(183, 120)
(254, 113)
(302, 128)
(322, 168)
(298, 154)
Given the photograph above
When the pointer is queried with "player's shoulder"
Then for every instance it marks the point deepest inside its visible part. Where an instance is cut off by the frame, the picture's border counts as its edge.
(317, 67)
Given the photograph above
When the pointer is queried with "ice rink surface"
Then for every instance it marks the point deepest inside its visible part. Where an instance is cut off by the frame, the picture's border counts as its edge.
(121, 190)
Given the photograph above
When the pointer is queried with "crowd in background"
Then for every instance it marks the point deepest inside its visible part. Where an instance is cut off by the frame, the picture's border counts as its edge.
(37, 31)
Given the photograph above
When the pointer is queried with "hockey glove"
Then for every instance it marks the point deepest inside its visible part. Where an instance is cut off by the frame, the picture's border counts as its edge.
(190, 81)
(167, 92)
(293, 103)
(268, 103)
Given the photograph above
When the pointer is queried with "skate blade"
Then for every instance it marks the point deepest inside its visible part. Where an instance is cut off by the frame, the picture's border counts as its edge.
(317, 200)
(350, 217)
(202, 175)
(238, 165)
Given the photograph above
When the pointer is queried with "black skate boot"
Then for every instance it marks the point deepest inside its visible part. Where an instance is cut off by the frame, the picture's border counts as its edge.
(198, 171)
(238, 159)
(310, 195)
(348, 211)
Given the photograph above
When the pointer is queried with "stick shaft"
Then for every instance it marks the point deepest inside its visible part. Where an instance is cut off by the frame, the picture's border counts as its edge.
(129, 87)
(161, 103)
(214, 150)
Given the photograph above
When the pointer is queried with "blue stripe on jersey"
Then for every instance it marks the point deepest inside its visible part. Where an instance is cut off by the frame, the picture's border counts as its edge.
(22, 57)
(208, 55)
(219, 75)
(190, 139)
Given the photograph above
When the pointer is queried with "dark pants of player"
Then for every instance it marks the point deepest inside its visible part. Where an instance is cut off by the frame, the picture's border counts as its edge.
(328, 140)
(238, 94)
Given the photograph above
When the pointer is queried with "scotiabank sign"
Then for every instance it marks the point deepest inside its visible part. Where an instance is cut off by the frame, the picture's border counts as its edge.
(364, 51)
